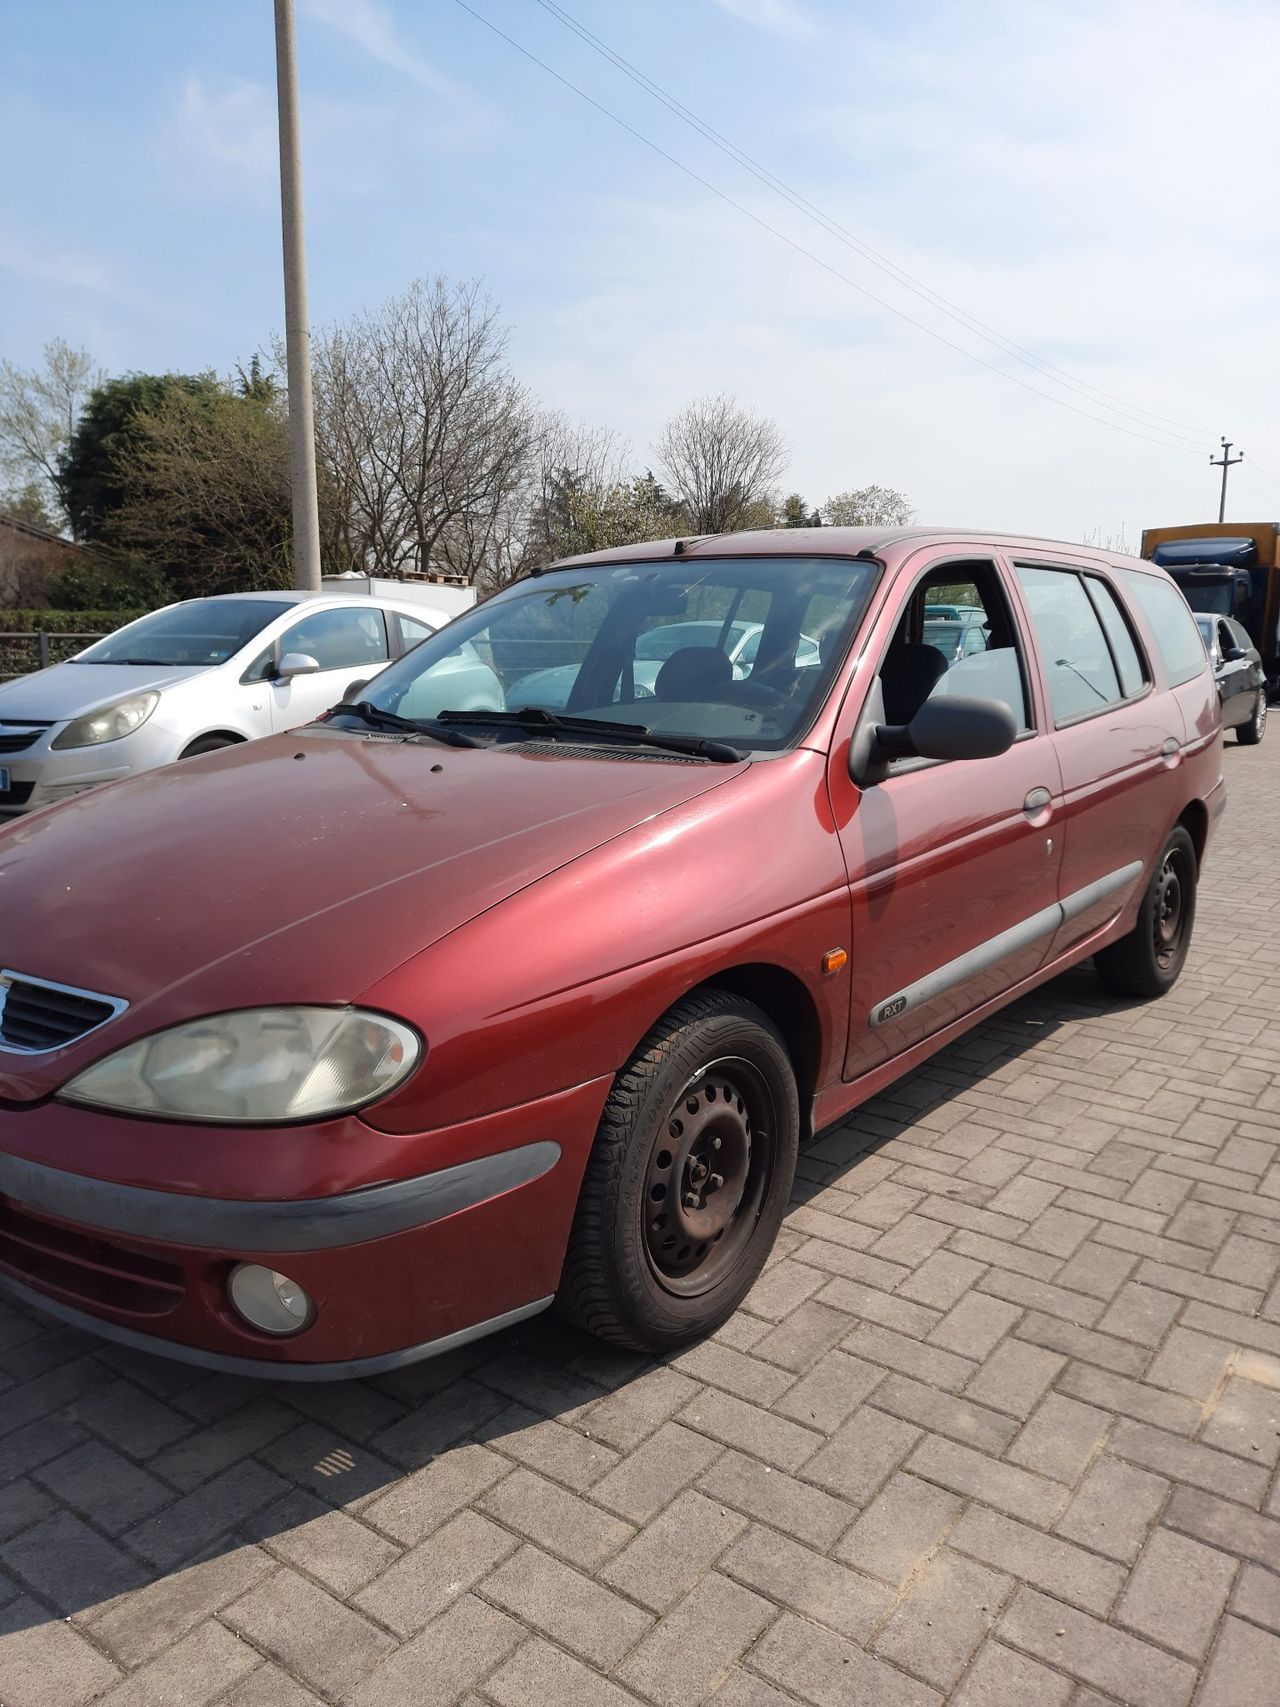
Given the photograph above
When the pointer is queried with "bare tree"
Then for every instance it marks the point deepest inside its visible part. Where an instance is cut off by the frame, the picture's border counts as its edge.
(721, 461)
(39, 408)
(1107, 539)
(425, 432)
(868, 506)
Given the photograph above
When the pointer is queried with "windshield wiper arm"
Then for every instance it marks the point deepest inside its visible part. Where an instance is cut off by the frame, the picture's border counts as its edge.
(536, 717)
(377, 718)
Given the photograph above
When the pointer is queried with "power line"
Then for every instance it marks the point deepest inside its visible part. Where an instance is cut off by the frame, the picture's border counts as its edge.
(1132, 412)
(755, 218)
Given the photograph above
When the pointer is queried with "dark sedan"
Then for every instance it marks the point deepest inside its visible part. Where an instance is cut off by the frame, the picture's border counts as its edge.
(1241, 679)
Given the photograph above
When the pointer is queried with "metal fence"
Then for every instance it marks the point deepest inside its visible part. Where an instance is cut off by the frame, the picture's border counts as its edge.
(20, 654)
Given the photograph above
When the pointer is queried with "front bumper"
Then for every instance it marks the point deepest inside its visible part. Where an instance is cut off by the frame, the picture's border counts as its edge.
(398, 1270)
(42, 775)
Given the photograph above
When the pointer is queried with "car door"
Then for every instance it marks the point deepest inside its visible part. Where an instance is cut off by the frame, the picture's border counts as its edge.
(1235, 676)
(347, 642)
(1118, 741)
(953, 867)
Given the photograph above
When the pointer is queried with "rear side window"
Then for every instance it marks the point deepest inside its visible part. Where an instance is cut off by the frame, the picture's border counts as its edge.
(1172, 625)
(1077, 659)
(1133, 676)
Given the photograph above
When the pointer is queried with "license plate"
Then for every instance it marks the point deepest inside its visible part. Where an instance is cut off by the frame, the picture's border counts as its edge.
(4, 780)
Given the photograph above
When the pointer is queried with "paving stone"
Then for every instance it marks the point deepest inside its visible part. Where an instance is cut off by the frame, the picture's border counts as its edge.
(941, 1413)
(1005, 1486)
(1244, 1667)
(1061, 1439)
(22, 1503)
(692, 1648)
(1184, 1462)
(191, 1673)
(71, 1565)
(930, 1364)
(942, 1279)
(328, 1645)
(670, 1554)
(1202, 1224)
(103, 1486)
(935, 1629)
(191, 1522)
(1038, 1295)
(1221, 1524)
(270, 1687)
(755, 1489)
(205, 1454)
(418, 1503)
(999, 1254)
(1205, 1289)
(539, 1675)
(1140, 1313)
(137, 1626)
(861, 1454)
(999, 1677)
(859, 1303)
(1189, 1363)
(1257, 1596)
(1176, 1593)
(831, 1391)
(759, 1383)
(438, 1570)
(1249, 1262)
(303, 1531)
(563, 1523)
(827, 1671)
(626, 1417)
(135, 1422)
(900, 1529)
(810, 1584)
(1130, 1398)
(654, 1473)
(440, 1421)
(34, 1650)
(1246, 1420)
(1131, 1670)
(452, 1655)
(1058, 1567)
(975, 1326)
(1015, 1377)
(776, 1440)
(1114, 1509)
(567, 1607)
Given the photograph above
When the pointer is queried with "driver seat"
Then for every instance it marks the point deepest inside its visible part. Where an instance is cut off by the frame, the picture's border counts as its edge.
(694, 672)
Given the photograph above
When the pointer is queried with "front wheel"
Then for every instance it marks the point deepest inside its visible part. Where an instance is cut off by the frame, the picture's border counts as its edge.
(688, 1179)
(1148, 961)
(1250, 733)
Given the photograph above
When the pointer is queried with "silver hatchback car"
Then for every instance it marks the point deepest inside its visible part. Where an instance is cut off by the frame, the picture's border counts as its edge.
(204, 674)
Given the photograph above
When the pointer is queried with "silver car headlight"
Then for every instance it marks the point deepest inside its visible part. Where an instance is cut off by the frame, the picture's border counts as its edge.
(257, 1067)
(112, 723)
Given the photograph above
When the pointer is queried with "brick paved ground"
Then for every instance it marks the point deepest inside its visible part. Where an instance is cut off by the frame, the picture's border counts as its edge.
(1000, 1424)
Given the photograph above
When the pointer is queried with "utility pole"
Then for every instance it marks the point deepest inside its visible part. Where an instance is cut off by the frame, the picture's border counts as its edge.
(302, 434)
(1224, 462)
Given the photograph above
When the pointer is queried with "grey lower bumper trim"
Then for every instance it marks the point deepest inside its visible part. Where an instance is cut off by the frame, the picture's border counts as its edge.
(265, 1368)
(296, 1224)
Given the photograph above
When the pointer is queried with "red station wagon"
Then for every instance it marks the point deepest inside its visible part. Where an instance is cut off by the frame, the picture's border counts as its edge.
(333, 1051)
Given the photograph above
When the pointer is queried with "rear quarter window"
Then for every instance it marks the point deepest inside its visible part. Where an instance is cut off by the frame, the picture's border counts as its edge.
(1173, 628)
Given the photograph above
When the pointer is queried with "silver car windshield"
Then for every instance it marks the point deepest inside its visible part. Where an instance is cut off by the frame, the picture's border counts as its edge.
(201, 631)
(736, 650)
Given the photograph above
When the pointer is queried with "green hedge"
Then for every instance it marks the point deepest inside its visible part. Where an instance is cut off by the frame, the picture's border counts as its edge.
(19, 648)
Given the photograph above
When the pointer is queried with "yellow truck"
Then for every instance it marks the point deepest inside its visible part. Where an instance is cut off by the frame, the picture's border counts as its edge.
(1231, 569)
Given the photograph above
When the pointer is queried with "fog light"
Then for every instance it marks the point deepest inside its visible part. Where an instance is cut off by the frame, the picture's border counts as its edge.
(269, 1301)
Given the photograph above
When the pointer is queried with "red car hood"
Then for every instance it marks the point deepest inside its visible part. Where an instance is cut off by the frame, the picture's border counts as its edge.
(300, 868)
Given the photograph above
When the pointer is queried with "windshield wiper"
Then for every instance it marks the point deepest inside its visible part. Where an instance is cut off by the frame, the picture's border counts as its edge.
(535, 718)
(377, 718)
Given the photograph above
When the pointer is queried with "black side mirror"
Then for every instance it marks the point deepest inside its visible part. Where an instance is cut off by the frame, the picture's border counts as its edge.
(952, 726)
(352, 691)
(1234, 654)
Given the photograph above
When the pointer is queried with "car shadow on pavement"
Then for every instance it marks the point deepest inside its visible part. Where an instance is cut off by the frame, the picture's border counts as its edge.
(138, 1495)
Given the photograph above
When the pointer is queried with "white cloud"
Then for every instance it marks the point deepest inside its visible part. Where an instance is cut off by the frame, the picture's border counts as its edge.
(227, 134)
(783, 17)
(1055, 170)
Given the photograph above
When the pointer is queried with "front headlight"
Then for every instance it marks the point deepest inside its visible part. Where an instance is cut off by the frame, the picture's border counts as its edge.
(258, 1067)
(112, 723)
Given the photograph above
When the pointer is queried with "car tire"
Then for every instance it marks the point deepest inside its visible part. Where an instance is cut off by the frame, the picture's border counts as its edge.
(1250, 733)
(665, 1243)
(207, 744)
(1148, 961)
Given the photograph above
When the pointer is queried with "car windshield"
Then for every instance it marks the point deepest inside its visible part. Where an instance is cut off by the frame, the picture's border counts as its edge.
(656, 644)
(201, 631)
(1212, 596)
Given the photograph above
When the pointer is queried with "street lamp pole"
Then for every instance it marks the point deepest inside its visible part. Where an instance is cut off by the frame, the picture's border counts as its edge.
(302, 435)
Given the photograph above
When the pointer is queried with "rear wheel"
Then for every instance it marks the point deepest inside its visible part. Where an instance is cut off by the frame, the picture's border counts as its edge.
(688, 1178)
(207, 744)
(1250, 733)
(1148, 961)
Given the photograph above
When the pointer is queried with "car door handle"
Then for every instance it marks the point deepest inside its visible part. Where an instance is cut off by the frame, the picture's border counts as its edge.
(1171, 747)
(1036, 802)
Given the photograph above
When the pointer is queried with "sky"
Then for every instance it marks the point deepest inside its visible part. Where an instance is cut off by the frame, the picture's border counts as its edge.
(1091, 180)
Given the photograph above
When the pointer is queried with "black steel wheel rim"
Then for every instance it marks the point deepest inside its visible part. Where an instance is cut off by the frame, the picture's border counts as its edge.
(708, 1174)
(1173, 899)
